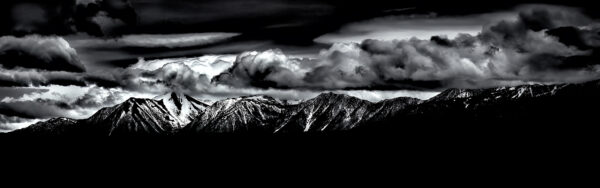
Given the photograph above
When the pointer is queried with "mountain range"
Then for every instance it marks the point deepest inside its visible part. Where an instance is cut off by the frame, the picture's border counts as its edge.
(526, 107)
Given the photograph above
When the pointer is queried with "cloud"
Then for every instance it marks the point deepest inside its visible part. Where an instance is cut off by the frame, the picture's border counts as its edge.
(35, 16)
(177, 76)
(583, 38)
(263, 69)
(28, 22)
(153, 40)
(97, 97)
(61, 101)
(33, 77)
(10, 123)
(38, 61)
(37, 52)
(51, 17)
(104, 17)
(405, 27)
(209, 65)
(174, 40)
(35, 109)
(504, 53)
(539, 17)
(107, 26)
(85, 2)
(169, 77)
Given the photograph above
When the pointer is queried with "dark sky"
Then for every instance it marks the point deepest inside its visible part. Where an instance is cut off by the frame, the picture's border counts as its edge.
(257, 19)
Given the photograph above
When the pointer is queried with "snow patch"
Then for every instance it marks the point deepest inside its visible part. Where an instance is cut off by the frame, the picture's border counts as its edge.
(180, 107)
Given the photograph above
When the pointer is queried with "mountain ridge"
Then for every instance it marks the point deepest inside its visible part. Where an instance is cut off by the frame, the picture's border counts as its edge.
(326, 113)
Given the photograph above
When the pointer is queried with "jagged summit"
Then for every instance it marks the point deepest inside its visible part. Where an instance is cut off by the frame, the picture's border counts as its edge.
(135, 116)
(451, 94)
(327, 95)
(247, 113)
(181, 106)
(328, 111)
(514, 92)
(258, 97)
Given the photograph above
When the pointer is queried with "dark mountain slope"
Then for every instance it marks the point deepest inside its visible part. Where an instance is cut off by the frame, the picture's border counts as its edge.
(506, 110)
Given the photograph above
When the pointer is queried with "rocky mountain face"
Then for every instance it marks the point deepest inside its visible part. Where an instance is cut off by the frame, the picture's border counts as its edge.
(135, 116)
(177, 114)
(334, 112)
(161, 116)
(52, 127)
(238, 115)
(183, 107)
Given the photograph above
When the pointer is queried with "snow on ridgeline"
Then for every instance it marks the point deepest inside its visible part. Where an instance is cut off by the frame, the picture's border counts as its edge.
(181, 106)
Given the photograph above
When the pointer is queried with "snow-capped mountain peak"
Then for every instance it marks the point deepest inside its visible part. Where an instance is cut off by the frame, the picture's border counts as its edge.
(451, 94)
(181, 106)
(238, 114)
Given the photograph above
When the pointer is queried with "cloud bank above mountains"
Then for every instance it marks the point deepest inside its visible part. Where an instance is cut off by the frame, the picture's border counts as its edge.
(509, 51)
(536, 44)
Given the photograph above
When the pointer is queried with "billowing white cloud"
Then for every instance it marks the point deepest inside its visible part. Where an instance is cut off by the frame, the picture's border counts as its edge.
(507, 52)
(157, 77)
(209, 65)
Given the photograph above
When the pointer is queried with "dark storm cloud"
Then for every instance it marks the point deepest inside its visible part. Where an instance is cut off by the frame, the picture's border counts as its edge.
(36, 52)
(104, 17)
(217, 15)
(279, 19)
(17, 92)
(62, 17)
(504, 52)
(36, 16)
(582, 38)
(539, 17)
(532, 18)
(34, 109)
